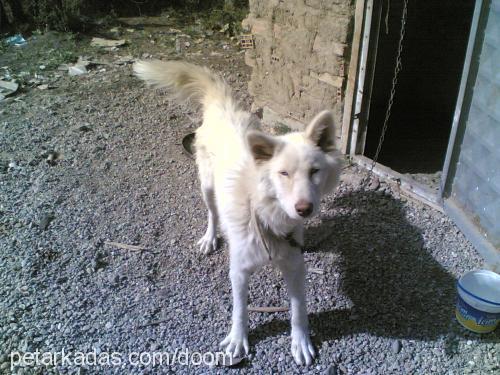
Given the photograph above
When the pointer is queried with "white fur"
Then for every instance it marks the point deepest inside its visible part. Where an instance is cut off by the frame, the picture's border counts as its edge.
(251, 183)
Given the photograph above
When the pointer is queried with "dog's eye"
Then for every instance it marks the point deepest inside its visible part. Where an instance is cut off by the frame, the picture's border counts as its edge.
(314, 170)
(284, 173)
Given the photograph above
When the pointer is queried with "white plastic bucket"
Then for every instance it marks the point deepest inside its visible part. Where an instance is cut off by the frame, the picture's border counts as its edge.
(478, 301)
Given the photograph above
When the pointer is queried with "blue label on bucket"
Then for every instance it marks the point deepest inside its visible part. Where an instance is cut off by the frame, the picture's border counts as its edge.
(474, 319)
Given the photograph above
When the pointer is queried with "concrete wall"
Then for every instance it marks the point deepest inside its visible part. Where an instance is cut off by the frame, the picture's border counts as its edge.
(301, 56)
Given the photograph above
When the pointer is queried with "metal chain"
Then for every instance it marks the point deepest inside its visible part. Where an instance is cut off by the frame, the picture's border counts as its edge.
(397, 69)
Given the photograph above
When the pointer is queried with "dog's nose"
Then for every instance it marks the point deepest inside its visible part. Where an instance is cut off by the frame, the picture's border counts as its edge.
(304, 208)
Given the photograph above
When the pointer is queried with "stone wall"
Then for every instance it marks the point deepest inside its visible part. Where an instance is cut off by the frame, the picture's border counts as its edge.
(301, 55)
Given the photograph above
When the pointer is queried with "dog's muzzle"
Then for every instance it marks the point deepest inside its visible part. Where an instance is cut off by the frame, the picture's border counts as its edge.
(304, 208)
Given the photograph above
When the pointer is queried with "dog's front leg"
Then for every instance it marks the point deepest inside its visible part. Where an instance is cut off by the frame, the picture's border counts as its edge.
(236, 342)
(293, 270)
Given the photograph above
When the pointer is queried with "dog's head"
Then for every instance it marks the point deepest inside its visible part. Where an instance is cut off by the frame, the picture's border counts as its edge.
(298, 168)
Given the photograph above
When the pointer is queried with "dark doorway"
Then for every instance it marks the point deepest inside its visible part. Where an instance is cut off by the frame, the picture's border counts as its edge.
(433, 55)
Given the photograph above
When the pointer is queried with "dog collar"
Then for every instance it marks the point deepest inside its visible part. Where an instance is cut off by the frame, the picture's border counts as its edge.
(288, 238)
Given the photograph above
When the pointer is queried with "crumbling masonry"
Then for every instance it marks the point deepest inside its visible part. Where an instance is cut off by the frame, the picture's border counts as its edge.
(300, 60)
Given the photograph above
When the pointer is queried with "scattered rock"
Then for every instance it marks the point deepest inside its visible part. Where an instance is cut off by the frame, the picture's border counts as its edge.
(181, 43)
(342, 368)
(85, 128)
(12, 166)
(124, 60)
(45, 221)
(396, 346)
(99, 262)
(332, 370)
(229, 361)
(107, 43)
(52, 157)
(8, 88)
(4, 166)
(374, 183)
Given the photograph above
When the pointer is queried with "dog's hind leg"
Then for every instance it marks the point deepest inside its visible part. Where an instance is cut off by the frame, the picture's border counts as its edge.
(208, 242)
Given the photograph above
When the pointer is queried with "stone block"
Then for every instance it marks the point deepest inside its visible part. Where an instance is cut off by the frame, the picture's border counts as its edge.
(250, 58)
(274, 118)
(328, 78)
(328, 47)
(261, 26)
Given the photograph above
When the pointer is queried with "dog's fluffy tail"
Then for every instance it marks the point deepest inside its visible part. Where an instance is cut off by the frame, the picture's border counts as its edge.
(185, 81)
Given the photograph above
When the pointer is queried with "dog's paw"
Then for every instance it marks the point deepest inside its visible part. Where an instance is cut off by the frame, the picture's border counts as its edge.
(302, 349)
(236, 345)
(208, 243)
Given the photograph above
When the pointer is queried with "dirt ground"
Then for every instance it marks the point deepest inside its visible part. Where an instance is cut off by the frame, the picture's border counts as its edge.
(97, 158)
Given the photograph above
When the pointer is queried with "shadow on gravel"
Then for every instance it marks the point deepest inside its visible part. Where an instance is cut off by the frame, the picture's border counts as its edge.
(396, 287)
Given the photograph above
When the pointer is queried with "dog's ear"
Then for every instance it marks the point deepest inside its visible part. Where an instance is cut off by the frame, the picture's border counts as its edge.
(321, 131)
(261, 146)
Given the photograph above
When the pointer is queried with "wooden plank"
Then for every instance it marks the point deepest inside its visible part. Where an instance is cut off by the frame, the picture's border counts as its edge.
(352, 75)
(370, 73)
(408, 186)
(360, 84)
(268, 309)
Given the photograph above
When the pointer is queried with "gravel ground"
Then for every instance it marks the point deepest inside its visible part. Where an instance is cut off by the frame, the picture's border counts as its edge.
(380, 292)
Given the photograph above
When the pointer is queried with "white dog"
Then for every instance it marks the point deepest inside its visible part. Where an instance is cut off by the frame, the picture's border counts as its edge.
(260, 188)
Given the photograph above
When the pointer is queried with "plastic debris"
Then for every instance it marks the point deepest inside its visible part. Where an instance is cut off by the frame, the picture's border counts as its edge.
(79, 68)
(15, 40)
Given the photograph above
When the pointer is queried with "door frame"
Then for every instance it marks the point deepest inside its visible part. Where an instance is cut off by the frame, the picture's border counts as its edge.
(357, 104)
(368, 18)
